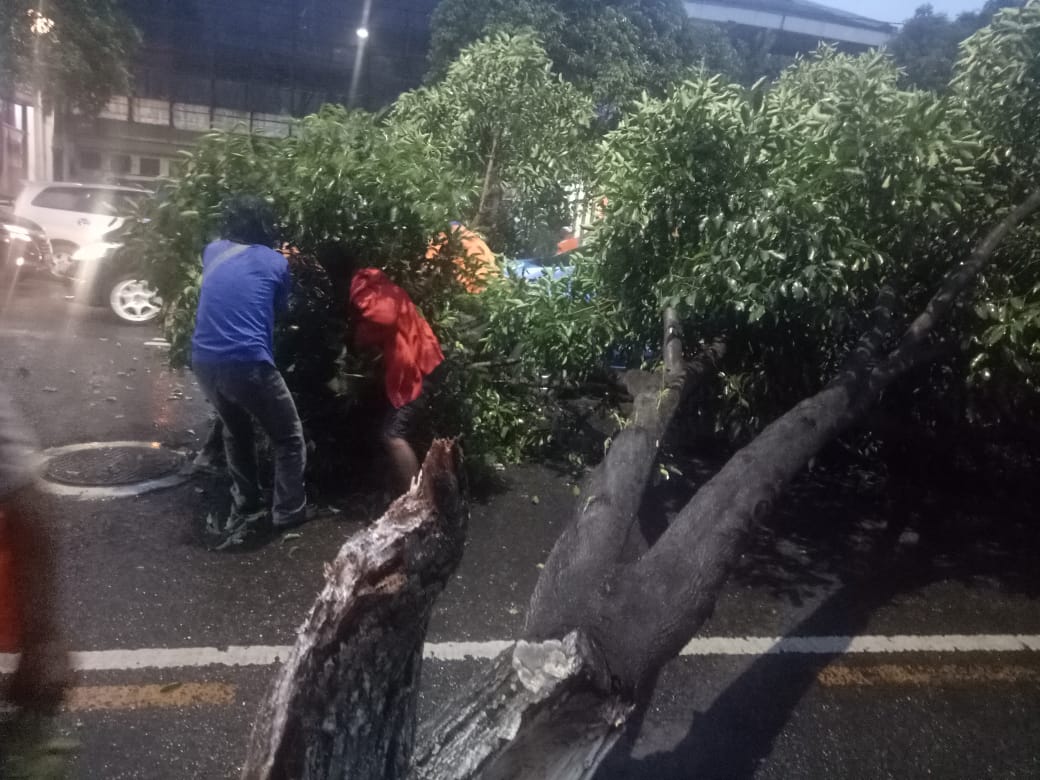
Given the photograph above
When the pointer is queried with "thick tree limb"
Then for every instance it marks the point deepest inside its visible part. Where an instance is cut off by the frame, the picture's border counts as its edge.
(343, 705)
(906, 354)
(587, 553)
(667, 595)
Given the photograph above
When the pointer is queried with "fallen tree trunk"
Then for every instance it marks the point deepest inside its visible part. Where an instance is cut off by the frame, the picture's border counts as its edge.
(634, 616)
(600, 625)
(343, 705)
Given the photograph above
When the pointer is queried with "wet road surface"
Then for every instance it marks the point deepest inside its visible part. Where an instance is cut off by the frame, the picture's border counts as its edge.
(135, 576)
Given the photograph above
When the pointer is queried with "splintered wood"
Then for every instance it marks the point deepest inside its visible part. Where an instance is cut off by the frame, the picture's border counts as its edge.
(343, 705)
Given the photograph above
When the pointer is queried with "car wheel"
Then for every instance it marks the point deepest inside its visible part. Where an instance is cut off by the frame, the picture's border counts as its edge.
(133, 299)
(61, 258)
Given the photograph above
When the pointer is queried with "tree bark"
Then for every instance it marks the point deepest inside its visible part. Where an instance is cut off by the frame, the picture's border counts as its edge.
(488, 173)
(547, 708)
(538, 711)
(343, 705)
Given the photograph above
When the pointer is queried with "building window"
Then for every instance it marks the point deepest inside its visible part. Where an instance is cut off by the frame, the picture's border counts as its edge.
(117, 108)
(150, 166)
(121, 164)
(151, 112)
(90, 159)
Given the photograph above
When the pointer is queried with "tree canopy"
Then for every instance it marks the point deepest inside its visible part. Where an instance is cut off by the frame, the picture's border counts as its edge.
(927, 45)
(75, 51)
(772, 218)
(510, 124)
(612, 50)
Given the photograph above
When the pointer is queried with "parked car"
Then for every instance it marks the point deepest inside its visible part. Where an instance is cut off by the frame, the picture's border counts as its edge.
(106, 273)
(23, 245)
(74, 215)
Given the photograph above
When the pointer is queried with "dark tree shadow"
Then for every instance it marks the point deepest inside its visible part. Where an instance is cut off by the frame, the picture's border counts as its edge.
(881, 539)
(736, 733)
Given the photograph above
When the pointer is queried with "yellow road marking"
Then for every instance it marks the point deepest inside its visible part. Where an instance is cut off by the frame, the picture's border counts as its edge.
(139, 697)
(844, 676)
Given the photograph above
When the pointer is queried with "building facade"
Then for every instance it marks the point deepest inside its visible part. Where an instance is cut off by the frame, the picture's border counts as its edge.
(254, 65)
(799, 25)
(248, 66)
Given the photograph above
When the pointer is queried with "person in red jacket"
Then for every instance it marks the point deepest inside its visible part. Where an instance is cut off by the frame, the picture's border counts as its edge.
(386, 321)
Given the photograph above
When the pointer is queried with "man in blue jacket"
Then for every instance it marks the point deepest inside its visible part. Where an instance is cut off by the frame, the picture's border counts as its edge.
(245, 283)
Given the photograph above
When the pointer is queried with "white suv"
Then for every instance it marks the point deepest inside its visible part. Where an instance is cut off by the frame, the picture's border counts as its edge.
(74, 214)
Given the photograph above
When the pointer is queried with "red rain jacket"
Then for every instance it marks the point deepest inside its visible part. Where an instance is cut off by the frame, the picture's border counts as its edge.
(387, 320)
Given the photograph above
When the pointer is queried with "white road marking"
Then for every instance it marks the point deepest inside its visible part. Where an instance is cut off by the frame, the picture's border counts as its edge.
(842, 645)
(267, 655)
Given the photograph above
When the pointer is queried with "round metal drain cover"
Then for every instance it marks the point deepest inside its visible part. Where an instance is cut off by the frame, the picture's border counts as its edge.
(110, 466)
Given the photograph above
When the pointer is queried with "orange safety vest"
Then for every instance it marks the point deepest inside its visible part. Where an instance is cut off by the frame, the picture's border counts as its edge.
(567, 245)
(477, 263)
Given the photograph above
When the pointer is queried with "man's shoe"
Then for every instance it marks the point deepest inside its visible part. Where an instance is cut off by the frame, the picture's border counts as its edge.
(294, 520)
(242, 526)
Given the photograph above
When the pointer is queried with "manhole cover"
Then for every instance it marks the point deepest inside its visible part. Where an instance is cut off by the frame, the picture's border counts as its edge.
(109, 466)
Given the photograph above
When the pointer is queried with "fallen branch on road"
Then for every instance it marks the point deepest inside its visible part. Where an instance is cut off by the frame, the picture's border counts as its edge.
(343, 705)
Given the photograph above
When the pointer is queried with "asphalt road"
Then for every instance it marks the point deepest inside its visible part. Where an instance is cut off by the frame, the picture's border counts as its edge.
(136, 576)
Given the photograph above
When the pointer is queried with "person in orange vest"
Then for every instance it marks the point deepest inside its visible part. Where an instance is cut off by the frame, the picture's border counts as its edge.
(477, 262)
(387, 322)
(27, 610)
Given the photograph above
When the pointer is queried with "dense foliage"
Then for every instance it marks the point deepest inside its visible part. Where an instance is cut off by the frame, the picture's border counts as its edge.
(771, 217)
(72, 50)
(998, 81)
(927, 45)
(503, 119)
(386, 186)
(611, 50)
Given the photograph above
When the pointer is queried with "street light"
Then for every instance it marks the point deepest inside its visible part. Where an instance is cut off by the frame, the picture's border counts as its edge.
(40, 26)
(362, 34)
(38, 23)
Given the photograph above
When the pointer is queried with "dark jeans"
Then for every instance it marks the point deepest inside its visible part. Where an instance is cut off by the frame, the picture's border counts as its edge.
(242, 392)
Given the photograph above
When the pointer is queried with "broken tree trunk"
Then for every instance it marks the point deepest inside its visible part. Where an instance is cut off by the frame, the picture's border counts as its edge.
(343, 705)
(549, 709)
(626, 619)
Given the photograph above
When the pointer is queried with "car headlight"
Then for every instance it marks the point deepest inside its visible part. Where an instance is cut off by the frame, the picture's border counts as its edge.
(18, 232)
(95, 251)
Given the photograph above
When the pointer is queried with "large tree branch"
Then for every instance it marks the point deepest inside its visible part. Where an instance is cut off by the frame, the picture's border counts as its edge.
(956, 282)
(590, 548)
(343, 705)
(668, 594)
